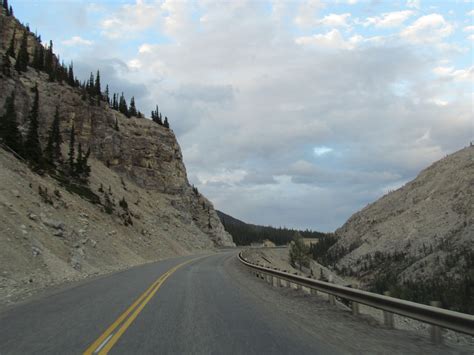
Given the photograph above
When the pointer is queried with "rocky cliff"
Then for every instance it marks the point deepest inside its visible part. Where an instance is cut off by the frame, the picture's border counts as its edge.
(48, 237)
(421, 234)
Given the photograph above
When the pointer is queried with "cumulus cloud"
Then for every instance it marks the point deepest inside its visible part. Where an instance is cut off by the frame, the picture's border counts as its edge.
(416, 4)
(428, 29)
(335, 20)
(291, 129)
(131, 19)
(77, 41)
(332, 39)
(389, 19)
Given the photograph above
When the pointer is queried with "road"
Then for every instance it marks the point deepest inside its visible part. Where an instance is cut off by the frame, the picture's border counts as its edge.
(186, 305)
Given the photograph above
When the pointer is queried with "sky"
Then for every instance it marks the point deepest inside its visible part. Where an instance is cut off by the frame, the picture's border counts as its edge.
(288, 113)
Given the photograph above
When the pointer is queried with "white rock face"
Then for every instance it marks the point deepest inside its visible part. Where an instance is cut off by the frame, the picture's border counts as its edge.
(429, 223)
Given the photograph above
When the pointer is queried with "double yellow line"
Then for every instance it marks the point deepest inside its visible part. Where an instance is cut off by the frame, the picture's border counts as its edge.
(107, 340)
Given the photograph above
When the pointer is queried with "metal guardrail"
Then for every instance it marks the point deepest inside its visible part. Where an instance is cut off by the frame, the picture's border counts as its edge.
(437, 317)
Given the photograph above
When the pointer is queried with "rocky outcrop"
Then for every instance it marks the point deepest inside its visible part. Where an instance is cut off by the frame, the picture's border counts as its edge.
(50, 234)
(423, 231)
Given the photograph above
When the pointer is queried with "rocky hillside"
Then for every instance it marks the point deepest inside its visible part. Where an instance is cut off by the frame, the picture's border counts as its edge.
(50, 233)
(417, 241)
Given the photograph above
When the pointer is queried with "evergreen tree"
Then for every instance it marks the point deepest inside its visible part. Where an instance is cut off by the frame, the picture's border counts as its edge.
(9, 133)
(53, 149)
(122, 107)
(71, 151)
(299, 252)
(132, 112)
(10, 11)
(6, 65)
(32, 150)
(79, 162)
(70, 75)
(97, 89)
(116, 126)
(114, 102)
(23, 57)
(38, 58)
(166, 123)
(5, 6)
(11, 47)
(107, 94)
(48, 59)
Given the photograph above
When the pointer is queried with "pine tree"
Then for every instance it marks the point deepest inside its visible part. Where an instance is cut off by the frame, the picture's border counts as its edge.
(5, 6)
(116, 126)
(32, 150)
(48, 59)
(166, 123)
(9, 132)
(97, 89)
(132, 111)
(79, 162)
(6, 65)
(107, 94)
(53, 149)
(71, 151)
(23, 57)
(123, 106)
(70, 75)
(10, 11)
(114, 102)
(11, 47)
(38, 58)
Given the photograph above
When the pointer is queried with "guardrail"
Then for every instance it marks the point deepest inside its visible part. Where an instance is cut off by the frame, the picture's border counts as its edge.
(437, 317)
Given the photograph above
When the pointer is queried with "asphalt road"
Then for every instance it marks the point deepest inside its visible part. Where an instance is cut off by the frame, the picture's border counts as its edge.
(161, 308)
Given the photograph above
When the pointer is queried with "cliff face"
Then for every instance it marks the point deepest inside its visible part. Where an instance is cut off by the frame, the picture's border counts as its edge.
(141, 162)
(423, 231)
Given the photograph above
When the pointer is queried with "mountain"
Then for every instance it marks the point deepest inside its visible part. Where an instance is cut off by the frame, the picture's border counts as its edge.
(137, 205)
(245, 233)
(417, 241)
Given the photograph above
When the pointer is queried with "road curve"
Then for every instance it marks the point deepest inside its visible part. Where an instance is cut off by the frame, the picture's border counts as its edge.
(176, 306)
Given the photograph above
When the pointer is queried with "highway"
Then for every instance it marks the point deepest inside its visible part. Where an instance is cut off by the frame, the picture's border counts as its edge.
(186, 305)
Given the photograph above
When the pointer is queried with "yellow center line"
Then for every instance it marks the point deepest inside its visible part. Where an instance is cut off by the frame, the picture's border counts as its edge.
(110, 336)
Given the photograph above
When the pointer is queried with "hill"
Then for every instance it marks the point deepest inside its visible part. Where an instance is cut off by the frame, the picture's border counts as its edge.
(245, 233)
(418, 241)
(130, 204)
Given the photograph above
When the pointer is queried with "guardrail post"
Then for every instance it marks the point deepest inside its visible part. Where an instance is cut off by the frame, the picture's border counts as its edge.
(355, 308)
(436, 335)
(274, 281)
(314, 291)
(332, 299)
(280, 282)
(387, 316)
(355, 305)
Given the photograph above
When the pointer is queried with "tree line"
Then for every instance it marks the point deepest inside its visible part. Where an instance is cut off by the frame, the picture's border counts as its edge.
(45, 60)
(244, 234)
(48, 159)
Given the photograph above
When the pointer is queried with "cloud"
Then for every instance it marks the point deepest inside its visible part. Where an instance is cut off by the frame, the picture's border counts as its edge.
(389, 19)
(307, 12)
(335, 20)
(468, 28)
(428, 29)
(332, 40)
(470, 13)
(77, 41)
(322, 150)
(415, 4)
(131, 19)
(252, 91)
(449, 73)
